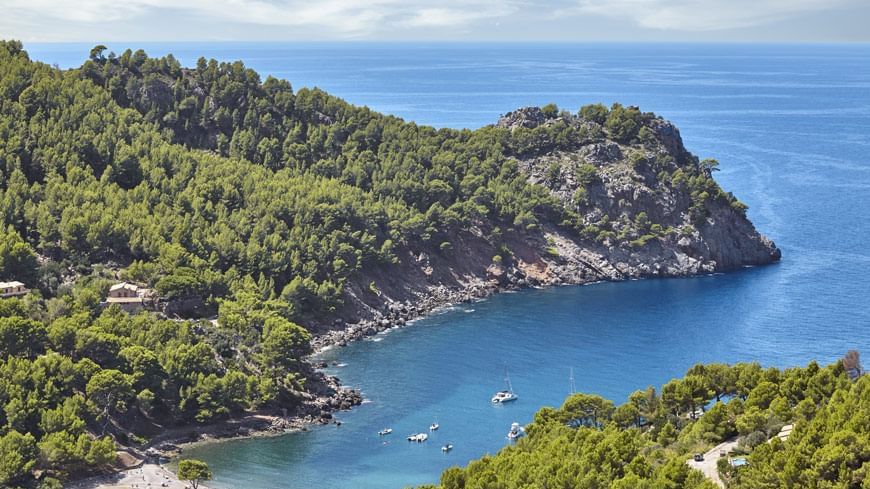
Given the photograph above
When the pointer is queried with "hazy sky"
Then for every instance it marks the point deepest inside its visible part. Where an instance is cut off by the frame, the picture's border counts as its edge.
(445, 20)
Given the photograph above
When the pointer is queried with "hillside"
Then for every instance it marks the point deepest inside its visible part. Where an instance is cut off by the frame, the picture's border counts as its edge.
(324, 203)
(284, 214)
(645, 442)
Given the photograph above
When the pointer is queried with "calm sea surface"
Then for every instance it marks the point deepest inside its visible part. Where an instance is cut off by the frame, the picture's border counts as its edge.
(791, 128)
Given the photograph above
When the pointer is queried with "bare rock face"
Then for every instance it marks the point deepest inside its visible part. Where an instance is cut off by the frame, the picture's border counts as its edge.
(668, 136)
(646, 208)
(600, 153)
(528, 117)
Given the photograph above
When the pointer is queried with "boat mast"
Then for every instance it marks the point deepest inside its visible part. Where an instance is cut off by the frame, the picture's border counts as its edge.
(507, 380)
(571, 381)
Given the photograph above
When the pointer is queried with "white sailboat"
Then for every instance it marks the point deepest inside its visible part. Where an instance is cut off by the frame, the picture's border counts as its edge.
(508, 395)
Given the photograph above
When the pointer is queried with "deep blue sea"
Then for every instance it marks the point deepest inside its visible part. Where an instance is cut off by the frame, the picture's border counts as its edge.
(790, 125)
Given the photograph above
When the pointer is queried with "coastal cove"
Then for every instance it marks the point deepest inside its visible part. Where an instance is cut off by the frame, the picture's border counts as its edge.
(446, 367)
(774, 120)
(787, 123)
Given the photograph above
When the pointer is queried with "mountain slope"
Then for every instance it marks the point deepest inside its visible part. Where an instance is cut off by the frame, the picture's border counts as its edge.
(604, 194)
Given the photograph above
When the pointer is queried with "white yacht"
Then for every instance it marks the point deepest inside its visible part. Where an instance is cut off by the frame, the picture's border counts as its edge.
(446, 448)
(385, 431)
(508, 395)
(419, 437)
(516, 431)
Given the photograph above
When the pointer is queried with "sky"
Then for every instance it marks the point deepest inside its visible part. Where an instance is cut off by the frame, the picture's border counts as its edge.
(444, 20)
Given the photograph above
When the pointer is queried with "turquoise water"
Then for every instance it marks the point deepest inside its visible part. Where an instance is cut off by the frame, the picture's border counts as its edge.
(791, 128)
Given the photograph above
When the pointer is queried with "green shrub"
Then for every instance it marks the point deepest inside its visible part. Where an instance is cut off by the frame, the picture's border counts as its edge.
(594, 112)
(586, 174)
(642, 241)
(550, 110)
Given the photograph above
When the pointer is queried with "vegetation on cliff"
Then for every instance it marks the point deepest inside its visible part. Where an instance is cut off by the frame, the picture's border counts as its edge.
(239, 196)
(194, 179)
(644, 443)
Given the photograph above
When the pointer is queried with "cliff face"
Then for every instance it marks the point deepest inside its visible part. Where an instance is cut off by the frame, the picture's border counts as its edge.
(650, 208)
(641, 207)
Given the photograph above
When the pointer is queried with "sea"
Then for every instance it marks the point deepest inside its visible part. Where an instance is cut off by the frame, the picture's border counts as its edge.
(790, 126)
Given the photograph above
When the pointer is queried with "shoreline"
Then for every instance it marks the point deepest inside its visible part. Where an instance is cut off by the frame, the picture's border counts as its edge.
(172, 444)
(401, 314)
(148, 475)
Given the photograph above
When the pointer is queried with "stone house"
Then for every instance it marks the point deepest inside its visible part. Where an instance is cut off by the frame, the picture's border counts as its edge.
(129, 297)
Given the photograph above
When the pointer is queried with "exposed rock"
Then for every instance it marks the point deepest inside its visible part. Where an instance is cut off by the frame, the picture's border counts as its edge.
(635, 217)
(599, 154)
(528, 117)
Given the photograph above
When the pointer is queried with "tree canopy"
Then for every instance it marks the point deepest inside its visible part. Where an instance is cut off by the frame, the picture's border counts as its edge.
(194, 471)
(645, 442)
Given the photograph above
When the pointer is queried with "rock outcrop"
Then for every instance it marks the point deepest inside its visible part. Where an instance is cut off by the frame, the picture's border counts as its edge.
(636, 206)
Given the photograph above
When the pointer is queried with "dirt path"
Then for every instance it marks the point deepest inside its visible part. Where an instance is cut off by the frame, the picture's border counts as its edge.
(708, 465)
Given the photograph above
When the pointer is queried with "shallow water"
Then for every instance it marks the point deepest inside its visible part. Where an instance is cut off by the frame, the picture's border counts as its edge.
(789, 125)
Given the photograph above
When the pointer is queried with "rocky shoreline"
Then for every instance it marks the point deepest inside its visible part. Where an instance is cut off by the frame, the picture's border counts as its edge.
(643, 208)
(316, 409)
(319, 406)
(396, 314)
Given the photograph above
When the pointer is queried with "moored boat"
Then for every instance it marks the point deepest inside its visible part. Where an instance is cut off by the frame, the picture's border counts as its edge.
(516, 431)
(385, 431)
(504, 396)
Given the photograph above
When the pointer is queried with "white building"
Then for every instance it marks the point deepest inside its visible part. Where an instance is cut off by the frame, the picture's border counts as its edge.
(13, 289)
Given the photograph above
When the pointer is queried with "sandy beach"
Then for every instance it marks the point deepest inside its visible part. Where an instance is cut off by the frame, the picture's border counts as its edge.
(147, 476)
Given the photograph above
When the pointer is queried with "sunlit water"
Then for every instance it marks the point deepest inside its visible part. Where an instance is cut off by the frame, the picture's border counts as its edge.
(791, 128)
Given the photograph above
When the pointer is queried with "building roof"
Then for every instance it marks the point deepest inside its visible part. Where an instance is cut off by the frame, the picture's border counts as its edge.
(14, 283)
(124, 285)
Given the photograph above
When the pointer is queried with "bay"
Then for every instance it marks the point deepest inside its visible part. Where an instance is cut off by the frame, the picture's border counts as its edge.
(790, 125)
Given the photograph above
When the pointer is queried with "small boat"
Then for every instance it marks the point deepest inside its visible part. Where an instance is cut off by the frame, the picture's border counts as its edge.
(508, 395)
(419, 437)
(385, 431)
(446, 448)
(516, 431)
(502, 397)
(434, 426)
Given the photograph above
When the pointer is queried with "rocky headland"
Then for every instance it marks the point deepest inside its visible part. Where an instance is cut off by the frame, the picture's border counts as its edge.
(647, 208)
